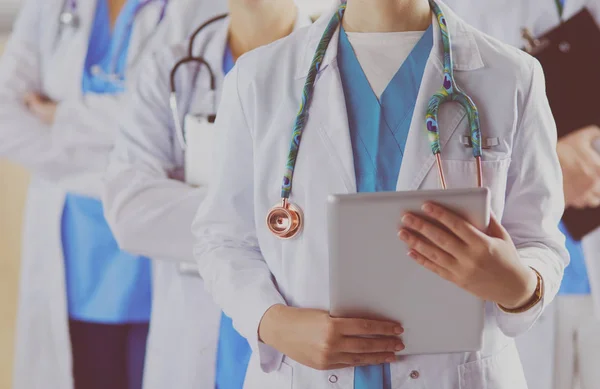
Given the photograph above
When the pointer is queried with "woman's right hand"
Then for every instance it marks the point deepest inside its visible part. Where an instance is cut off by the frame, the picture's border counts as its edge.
(313, 338)
(41, 106)
(580, 164)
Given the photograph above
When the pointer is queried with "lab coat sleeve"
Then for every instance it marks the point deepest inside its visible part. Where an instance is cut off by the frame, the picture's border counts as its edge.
(534, 200)
(77, 143)
(227, 248)
(149, 213)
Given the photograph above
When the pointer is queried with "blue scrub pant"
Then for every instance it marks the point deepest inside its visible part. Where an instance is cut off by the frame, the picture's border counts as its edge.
(107, 356)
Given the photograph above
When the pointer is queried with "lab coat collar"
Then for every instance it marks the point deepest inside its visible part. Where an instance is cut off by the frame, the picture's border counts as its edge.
(465, 50)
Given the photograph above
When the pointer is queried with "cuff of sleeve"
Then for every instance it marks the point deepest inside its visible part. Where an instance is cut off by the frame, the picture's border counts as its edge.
(515, 324)
(270, 359)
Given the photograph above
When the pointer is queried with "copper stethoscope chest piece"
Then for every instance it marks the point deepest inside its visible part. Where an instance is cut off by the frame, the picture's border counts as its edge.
(284, 220)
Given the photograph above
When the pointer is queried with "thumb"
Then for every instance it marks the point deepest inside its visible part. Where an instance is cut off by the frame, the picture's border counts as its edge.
(496, 230)
(588, 134)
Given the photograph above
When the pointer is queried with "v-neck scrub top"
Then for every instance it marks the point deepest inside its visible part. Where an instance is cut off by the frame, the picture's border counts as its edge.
(379, 127)
(104, 284)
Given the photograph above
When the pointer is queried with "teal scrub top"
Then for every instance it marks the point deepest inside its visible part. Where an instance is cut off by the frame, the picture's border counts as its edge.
(104, 284)
(378, 131)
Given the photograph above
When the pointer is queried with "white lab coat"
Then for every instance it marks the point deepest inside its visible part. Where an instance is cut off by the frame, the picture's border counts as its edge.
(248, 270)
(71, 155)
(151, 214)
(537, 347)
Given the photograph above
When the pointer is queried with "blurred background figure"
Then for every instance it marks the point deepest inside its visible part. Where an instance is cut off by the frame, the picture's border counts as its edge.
(67, 160)
(152, 191)
(562, 350)
(84, 304)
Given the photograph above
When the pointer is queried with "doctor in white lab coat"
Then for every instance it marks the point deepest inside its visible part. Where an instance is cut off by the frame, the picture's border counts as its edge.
(277, 291)
(69, 156)
(562, 344)
(150, 206)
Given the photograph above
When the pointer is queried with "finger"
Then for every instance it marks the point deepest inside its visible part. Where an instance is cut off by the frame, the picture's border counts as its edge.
(431, 266)
(366, 327)
(428, 250)
(358, 345)
(366, 359)
(442, 239)
(459, 226)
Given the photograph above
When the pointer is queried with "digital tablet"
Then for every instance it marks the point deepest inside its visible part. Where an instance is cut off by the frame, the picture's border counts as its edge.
(371, 275)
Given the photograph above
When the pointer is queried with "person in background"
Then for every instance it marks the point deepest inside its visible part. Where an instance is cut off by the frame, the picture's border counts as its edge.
(565, 346)
(150, 206)
(84, 304)
(339, 108)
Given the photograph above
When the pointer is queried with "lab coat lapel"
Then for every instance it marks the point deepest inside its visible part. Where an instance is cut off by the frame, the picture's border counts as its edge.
(144, 27)
(418, 157)
(67, 56)
(329, 106)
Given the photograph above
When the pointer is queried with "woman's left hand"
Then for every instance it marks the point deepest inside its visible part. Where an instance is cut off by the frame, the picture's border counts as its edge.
(41, 106)
(485, 264)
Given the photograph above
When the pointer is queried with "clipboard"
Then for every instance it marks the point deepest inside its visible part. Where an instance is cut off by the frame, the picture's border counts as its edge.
(570, 57)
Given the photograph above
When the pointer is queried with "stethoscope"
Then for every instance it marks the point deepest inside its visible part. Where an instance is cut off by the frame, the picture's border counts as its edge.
(179, 130)
(69, 17)
(285, 220)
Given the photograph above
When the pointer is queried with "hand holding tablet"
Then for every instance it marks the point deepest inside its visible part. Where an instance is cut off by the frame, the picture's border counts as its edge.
(485, 263)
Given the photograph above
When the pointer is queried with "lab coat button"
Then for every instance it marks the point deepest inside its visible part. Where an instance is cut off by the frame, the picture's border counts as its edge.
(333, 378)
(414, 374)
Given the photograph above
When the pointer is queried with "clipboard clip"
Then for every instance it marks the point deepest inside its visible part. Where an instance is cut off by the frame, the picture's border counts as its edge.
(533, 45)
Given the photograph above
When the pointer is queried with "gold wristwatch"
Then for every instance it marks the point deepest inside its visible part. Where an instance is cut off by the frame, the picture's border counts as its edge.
(537, 297)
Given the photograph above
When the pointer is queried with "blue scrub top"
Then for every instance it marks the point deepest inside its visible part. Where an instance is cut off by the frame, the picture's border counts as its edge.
(233, 352)
(575, 280)
(104, 284)
(378, 132)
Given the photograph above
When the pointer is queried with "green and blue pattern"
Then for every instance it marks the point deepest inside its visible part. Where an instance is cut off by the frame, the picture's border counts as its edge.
(309, 87)
(448, 92)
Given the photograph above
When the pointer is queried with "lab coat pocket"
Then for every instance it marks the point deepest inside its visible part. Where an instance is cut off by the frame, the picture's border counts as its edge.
(463, 174)
(502, 370)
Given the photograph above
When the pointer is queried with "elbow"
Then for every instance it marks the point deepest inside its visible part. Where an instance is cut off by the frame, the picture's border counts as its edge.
(122, 229)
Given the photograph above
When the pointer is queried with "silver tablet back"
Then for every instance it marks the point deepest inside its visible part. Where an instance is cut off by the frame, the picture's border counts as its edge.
(372, 276)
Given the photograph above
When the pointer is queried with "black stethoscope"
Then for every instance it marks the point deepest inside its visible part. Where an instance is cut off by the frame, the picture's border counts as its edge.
(179, 130)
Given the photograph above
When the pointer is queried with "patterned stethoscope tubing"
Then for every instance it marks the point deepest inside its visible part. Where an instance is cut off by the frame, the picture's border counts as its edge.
(450, 91)
(285, 219)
